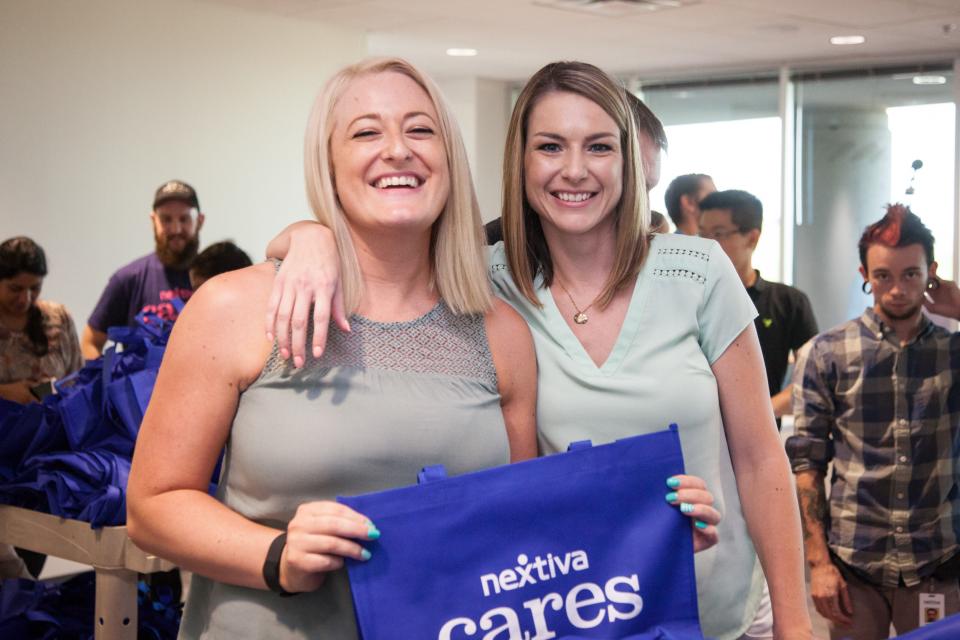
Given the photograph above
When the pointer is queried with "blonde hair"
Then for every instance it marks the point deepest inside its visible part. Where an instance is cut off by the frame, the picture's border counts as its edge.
(457, 254)
(527, 252)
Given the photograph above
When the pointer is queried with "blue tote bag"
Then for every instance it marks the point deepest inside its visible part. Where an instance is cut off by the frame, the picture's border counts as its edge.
(576, 545)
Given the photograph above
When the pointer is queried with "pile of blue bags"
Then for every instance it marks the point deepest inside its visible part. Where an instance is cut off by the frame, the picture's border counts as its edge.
(70, 455)
(64, 611)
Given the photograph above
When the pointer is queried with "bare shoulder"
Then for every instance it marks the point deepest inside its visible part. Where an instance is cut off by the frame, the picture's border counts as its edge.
(506, 329)
(224, 321)
(511, 346)
(242, 288)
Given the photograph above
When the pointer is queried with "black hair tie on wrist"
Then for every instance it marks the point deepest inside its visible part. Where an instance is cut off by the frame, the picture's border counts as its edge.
(271, 566)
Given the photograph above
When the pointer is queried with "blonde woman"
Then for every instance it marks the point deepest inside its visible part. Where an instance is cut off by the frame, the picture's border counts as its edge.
(387, 172)
(633, 331)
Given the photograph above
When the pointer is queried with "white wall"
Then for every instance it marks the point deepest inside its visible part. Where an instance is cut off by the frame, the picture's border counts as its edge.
(482, 108)
(103, 100)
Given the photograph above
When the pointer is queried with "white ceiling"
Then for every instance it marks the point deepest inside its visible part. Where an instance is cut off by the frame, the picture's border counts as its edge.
(515, 37)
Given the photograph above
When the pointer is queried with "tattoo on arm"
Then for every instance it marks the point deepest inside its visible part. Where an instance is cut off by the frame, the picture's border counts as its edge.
(813, 509)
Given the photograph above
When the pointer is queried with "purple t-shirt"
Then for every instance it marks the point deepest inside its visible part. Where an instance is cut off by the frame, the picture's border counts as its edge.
(143, 285)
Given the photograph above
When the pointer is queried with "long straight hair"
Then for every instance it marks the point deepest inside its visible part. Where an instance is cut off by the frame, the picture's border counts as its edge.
(458, 261)
(527, 252)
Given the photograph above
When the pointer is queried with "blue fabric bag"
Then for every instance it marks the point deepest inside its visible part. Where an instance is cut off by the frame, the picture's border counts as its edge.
(576, 545)
(946, 629)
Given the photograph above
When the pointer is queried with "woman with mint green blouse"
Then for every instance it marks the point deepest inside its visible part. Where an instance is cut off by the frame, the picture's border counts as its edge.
(634, 331)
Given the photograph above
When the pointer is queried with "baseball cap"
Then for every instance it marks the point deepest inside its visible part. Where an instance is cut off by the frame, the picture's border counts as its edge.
(176, 190)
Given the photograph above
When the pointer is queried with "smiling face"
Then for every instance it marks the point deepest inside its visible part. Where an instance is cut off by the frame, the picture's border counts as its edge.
(898, 277)
(389, 162)
(573, 164)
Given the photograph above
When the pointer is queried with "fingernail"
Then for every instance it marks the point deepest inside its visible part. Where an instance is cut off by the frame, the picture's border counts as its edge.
(298, 361)
(285, 353)
(372, 532)
(671, 497)
(269, 337)
(700, 525)
(686, 507)
(317, 352)
(365, 555)
(673, 482)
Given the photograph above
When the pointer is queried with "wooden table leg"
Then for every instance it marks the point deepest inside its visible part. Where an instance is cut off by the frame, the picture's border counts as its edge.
(115, 615)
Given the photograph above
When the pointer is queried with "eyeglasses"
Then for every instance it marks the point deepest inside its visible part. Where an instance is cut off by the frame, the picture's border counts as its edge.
(718, 234)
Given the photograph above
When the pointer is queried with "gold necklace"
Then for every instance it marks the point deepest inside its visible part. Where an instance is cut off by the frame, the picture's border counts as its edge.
(580, 317)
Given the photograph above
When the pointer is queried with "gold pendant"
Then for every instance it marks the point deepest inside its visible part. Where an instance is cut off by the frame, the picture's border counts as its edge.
(580, 317)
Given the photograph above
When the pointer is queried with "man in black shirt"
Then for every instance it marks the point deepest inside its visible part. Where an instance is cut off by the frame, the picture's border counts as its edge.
(785, 321)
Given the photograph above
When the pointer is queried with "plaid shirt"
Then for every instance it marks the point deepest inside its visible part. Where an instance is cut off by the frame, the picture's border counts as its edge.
(890, 414)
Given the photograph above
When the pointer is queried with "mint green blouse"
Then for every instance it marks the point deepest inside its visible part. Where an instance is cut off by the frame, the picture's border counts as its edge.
(688, 305)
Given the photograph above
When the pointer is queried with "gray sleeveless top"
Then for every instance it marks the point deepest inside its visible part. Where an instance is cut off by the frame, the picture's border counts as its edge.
(381, 403)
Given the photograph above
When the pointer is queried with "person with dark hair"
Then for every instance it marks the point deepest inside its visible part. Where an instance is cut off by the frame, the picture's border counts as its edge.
(879, 397)
(38, 341)
(658, 223)
(153, 282)
(682, 200)
(653, 142)
(785, 322)
(218, 258)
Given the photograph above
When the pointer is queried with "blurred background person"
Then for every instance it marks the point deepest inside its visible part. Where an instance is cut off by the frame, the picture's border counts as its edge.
(38, 345)
(682, 200)
(38, 340)
(785, 317)
(152, 282)
(218, 258)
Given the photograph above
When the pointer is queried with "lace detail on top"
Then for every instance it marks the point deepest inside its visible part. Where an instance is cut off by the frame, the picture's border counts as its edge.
(681, 263)
(675, 251)
(439, 342)
(680, 273)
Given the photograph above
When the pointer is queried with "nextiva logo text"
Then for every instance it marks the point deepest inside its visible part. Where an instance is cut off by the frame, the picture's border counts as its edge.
(585, 606)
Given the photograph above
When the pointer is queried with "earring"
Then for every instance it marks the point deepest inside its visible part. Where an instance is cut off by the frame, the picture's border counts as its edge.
(933, 284)
(863, 287)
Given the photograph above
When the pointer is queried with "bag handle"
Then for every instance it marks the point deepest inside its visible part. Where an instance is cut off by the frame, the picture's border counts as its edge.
(579, 445)
(433, 473)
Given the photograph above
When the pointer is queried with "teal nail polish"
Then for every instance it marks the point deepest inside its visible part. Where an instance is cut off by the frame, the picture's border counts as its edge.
(365, 555)
(672, 496)
(686, 507)
(372, 532)
(673, 482)
(700, 525)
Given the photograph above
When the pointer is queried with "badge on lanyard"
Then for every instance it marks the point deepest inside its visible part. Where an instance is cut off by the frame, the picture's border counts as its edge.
(932, 607)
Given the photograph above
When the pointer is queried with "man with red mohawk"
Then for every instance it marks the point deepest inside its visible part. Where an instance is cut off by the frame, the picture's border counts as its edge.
(879, 397)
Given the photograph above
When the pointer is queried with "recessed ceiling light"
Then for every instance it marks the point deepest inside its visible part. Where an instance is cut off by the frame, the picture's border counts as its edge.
(846, 40)
(461, 53)
(929, 80)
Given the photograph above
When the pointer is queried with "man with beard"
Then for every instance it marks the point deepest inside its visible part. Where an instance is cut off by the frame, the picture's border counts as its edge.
(879, 396)
(151, 283)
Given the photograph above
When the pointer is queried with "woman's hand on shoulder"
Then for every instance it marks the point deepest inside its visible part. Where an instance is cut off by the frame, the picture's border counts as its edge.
(309, 275)
(319, 537)
(515, 361)
(695, 501)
